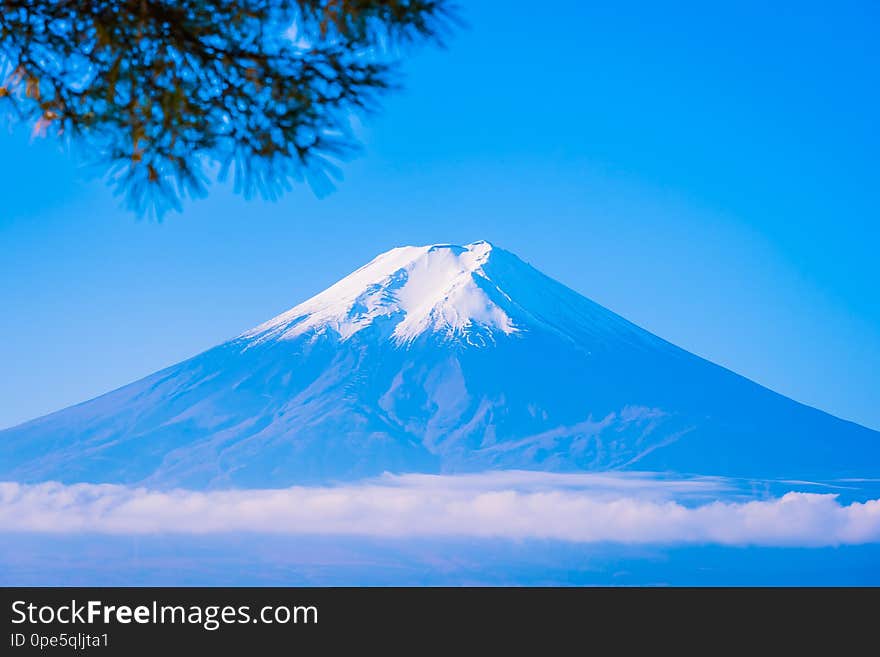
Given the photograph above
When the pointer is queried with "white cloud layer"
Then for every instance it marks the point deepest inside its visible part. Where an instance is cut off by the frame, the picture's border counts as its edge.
(516, 505)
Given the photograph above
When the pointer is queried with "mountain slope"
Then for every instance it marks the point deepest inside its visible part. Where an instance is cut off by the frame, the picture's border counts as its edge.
(437, 358)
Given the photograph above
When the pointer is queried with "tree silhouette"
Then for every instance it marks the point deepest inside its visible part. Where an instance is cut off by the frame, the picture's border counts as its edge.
(164, 92)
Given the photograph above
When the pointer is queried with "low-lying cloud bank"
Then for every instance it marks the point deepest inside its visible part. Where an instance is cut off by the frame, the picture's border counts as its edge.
(580, 508)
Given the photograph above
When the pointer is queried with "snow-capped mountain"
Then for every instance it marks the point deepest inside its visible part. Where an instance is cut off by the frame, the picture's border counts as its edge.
(438, 289)
(436, 359)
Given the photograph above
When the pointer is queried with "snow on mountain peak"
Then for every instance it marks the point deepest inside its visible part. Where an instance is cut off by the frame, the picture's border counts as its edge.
(439, 288)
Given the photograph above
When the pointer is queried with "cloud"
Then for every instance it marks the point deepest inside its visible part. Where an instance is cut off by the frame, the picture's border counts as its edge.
(633, 483)
(515, 505)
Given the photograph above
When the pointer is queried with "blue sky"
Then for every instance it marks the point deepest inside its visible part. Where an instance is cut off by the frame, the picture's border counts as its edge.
(708, 172)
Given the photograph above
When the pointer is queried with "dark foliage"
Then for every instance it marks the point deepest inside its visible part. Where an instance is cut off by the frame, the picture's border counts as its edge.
(162, 90)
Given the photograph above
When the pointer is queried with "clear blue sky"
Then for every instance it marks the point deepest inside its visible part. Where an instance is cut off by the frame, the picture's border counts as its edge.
(710, 172)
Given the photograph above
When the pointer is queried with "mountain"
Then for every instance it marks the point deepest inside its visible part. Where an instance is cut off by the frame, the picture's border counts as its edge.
(436, 359)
